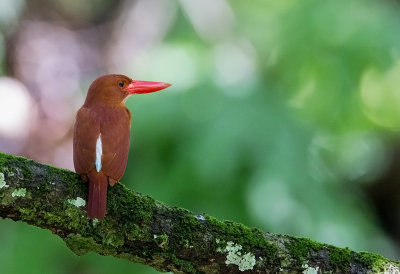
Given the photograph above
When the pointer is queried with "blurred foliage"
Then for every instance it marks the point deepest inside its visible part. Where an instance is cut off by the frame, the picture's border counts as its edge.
(280, 114)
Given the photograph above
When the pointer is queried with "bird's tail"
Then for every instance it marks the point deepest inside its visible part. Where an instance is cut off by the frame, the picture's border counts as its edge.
(97, 201)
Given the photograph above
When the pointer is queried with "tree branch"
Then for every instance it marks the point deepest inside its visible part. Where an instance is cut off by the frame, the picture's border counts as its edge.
(142, 230)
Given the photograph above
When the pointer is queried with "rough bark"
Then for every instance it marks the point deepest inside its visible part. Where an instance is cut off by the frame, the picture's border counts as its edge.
(143, 230)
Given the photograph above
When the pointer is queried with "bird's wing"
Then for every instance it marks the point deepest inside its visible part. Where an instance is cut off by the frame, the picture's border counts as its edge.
(115, 135)
(86, 132)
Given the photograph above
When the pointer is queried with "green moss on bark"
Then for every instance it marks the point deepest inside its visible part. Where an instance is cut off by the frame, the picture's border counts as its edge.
(142, 230)
(339, 258)
(375, 261)
(81, 245)
(300, 248)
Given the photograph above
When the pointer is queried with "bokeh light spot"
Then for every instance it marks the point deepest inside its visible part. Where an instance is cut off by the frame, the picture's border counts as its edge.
(15, 108)
(155, 63)
(234, 68)
(380, 95)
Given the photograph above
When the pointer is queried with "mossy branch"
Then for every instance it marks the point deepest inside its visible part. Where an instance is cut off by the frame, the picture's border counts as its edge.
(142, 230)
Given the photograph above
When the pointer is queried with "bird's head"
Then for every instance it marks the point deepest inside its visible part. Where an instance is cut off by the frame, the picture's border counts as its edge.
(114, 88)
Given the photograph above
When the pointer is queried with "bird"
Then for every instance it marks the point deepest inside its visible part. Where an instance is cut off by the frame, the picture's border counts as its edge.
(101, 135)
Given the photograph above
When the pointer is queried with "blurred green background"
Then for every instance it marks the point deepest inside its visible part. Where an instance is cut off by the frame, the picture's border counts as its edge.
(283, 115)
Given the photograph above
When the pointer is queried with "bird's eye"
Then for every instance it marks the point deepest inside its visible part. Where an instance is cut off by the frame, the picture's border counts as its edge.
(121, 84)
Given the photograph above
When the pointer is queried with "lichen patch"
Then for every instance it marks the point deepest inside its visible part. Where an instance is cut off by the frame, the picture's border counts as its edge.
(309, 269)
(235, 256)
(95, 221)
(199, 217)
(78, 202)
(2, 181)
(391, 269)
(19, 192)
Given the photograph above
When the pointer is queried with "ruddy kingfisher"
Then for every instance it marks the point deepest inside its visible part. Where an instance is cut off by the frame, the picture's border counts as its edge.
(102, 134)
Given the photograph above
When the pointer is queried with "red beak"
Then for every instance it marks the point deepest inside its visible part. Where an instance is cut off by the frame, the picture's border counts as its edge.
(140, 87)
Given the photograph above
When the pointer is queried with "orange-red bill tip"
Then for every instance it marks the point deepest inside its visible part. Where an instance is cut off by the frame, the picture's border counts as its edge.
(140, 87)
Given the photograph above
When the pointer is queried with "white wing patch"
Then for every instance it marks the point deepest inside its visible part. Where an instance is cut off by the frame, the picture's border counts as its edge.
(99, 153)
